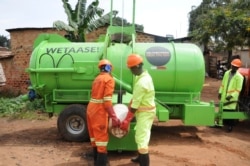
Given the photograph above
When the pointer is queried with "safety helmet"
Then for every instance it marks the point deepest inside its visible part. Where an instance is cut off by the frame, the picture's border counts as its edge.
(236, 63)
(133, 60)
(104, 62)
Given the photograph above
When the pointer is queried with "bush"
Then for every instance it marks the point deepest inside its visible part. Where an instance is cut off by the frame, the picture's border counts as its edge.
(12, 107)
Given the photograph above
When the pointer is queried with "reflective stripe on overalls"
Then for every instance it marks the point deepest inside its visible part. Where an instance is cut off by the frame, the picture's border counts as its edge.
(96, 100)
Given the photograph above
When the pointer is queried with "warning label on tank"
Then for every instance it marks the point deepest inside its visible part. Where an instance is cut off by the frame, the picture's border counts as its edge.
(158, 56)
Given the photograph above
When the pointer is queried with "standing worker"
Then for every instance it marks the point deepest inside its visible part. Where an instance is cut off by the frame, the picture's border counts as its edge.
(230, 90)
(142, 105)
(98, 110)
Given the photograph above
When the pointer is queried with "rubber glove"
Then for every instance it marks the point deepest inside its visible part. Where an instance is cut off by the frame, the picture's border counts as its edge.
(115, 121)
(125, 123)
(229, 97)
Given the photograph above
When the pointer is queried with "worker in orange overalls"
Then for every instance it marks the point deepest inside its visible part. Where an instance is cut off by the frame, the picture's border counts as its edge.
(142, 105)
(230, 90)
(99, 109)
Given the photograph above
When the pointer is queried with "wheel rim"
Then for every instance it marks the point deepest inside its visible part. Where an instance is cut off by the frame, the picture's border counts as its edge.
(75, 124)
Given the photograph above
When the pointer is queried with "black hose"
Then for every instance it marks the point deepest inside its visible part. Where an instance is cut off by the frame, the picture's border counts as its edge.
(241, 104)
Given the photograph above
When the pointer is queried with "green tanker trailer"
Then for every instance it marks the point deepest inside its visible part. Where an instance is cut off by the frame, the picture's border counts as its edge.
(61, 72)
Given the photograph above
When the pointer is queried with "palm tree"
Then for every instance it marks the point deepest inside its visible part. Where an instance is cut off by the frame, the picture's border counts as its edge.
(80, 21)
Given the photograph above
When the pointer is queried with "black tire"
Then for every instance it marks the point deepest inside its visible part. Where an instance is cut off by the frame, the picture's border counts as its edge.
(72, 123)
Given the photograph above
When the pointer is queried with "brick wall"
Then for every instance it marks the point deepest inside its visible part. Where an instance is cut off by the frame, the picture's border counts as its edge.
(140, 37)
(14, 68)
(94, 35)
(21, 46)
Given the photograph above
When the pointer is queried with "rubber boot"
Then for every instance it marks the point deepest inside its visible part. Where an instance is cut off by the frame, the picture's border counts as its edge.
(144, 159)
(95, 154)
(90, 154)
(102, 159)
(136, 159)
(230, 129)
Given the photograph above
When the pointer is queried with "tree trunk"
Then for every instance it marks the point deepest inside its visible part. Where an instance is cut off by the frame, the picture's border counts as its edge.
(229, 58)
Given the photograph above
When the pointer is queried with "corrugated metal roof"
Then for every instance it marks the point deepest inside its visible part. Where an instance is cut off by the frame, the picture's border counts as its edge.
(29, 28)
(6, 54)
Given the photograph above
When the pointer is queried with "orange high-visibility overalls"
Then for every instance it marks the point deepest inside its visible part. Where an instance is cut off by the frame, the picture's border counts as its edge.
(97, 116)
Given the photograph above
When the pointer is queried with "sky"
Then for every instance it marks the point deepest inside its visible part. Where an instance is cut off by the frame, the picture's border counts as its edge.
(159, 17)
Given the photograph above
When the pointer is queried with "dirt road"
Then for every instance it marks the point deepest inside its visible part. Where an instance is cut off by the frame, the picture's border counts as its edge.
(37, 143)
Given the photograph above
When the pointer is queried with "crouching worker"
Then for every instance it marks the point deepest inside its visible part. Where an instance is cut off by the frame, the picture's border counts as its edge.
(99, 109)
(142, 105)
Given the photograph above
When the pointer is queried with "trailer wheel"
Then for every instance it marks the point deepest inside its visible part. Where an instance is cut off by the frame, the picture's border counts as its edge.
(72, 123)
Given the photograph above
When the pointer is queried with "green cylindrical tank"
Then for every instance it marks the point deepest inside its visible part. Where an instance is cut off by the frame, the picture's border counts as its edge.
(175, 67)
(63, 65)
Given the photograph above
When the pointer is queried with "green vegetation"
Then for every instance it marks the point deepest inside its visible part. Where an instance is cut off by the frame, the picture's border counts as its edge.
(79, 19)
(19, 109)
(221, 24)
(84, 19)
(4, 41)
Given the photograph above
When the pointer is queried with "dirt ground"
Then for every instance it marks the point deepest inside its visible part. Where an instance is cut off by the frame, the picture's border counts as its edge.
(37, 143)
